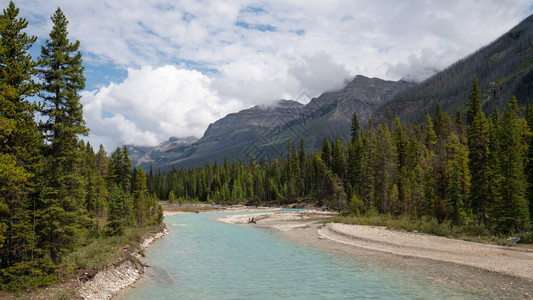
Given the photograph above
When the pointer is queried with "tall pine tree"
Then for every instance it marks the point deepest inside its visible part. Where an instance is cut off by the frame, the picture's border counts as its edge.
(62, 214)
(511, 212)
(20, 141)
(477, 137)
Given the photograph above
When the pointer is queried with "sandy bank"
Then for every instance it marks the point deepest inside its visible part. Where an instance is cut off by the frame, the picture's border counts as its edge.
(114, 278)
(283, 221)
(493, 271)
(493, 258)
(176, 210)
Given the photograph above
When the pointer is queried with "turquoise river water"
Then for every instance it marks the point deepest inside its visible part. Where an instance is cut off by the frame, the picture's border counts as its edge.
(205, 259)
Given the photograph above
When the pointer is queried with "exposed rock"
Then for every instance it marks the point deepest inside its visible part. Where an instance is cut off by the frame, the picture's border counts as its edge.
(263, 131)
(513, 240)
(112, 279)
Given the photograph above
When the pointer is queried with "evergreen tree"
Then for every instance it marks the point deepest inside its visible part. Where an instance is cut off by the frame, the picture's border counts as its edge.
(115, 222)
(474, 102)
(492, 193)
(476, 127)
(460, 129)
(171, 197)
(430, 138)
(439, 122)
(355, 149)
(356, 127)
(326, 152)
(529, 166)
(458, 189)
(511, 212)
(62, 214)
(125, 171)
(140, 194)
(338, 158)
(401, 149)
(20, 141)
(303, 166)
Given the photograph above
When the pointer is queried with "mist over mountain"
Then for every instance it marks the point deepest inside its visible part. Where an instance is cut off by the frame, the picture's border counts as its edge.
(503, 68)
(263, 132)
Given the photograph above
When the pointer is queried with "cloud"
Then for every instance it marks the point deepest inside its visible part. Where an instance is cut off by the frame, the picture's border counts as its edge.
(230, 55)
(151, 105)
(319, 73)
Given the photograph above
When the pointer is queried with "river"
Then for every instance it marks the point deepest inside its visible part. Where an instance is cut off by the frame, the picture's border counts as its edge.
(205, 259)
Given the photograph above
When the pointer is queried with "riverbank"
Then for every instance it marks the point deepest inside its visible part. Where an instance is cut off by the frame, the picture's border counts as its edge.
(114, 278)
(489, 269)
(180, 209)
(493, 258)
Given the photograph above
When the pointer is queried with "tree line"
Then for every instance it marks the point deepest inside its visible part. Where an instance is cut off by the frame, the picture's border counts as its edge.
(55, 191)
(479, 171)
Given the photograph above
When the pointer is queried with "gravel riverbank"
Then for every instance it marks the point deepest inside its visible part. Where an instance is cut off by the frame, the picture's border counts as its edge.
(492, 271)
(119, 275)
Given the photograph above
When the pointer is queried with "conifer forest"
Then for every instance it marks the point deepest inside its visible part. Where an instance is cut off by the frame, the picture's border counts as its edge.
(473, 170)
(58, 194)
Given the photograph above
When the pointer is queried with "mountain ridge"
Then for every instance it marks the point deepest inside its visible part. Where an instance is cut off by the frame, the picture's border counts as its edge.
(504, 67)
(263, 131)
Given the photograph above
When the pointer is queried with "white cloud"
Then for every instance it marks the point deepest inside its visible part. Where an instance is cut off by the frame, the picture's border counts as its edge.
(151, 105)
(248, 52)
(319, 73)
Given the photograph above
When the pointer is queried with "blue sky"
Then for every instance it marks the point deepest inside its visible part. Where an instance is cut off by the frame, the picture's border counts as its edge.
(163, 68)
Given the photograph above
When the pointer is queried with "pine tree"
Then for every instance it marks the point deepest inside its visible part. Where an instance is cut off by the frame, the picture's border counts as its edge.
(458, 188)
(354, 155)
(125, 171)
(326, 152)
(338, 158)
(171, 197)
(439, 122)
(430, 138)
(529, 166)
(140, 194)
(476, 128)
(115, 222)
(356, 127)
(474, 102)
(62, 214)
(385, 166)
(459, 127)
(401, 149)
(20, 140)
(303, 166)
(511, 213)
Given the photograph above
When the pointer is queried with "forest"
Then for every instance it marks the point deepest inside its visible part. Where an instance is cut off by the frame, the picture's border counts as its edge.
(474, 172)
(59, 199)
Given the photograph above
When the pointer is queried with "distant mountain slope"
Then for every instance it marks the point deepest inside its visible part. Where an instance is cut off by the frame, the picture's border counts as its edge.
(264, 131)
(503, 68)
(331, 113)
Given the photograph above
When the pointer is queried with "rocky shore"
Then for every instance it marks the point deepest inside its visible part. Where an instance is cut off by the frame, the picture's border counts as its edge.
(112, 279)
(492, 258)
(494, 271)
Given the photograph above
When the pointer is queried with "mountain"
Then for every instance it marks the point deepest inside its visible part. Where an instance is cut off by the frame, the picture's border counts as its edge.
(331, 114)
(503, 68)
(264, 131)
(146, 156)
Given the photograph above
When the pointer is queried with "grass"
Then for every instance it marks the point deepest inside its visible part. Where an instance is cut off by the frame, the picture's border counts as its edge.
(472, 231)
(105, 250)
(95, 253)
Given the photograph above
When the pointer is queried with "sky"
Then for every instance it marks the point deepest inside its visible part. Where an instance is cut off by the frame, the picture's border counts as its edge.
(168, 68)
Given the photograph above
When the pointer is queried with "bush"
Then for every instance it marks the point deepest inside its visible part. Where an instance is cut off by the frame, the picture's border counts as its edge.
(27, 275)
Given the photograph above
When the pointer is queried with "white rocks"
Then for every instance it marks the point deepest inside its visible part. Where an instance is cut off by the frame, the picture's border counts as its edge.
(119, 275)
